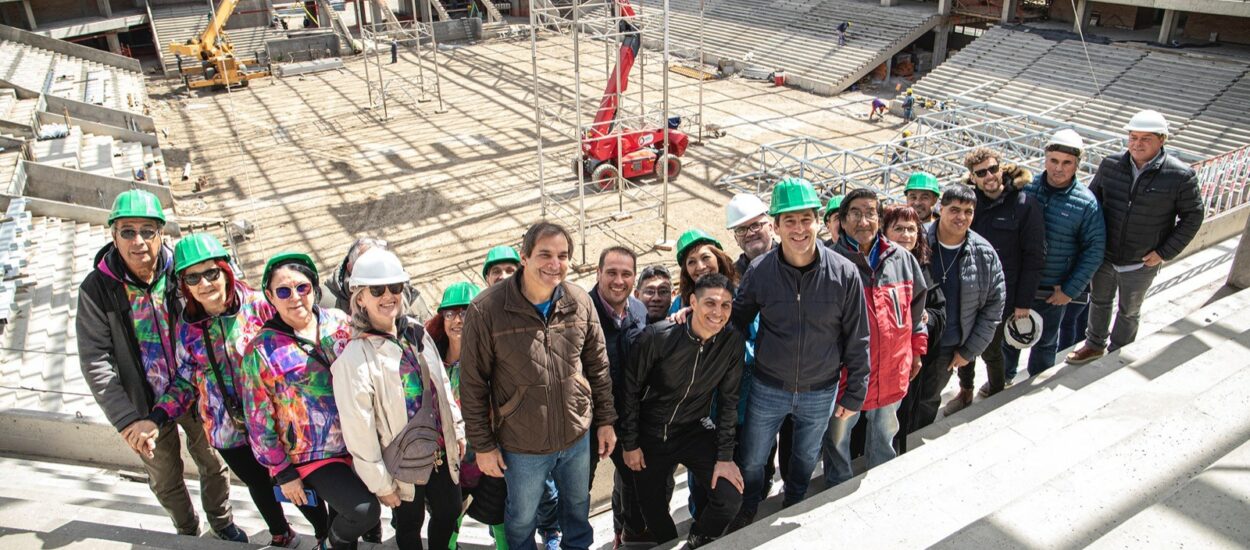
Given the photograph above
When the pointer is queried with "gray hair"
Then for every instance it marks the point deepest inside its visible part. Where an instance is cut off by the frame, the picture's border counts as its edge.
(361, 246)
(360, 318)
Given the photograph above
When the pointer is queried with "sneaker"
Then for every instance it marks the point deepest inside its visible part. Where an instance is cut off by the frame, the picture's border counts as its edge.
(551, 540)
(1086, 354)
(288, 540)
(231, 533)
(985, 388)
(695, 541)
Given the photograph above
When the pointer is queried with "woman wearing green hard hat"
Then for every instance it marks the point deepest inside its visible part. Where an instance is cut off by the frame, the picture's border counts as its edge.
(292, 417)
(221, 316)
(698, 254)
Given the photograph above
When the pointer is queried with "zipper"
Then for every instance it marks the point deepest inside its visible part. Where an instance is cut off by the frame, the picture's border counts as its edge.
(677, 407)
(164, 342)
(798, 298)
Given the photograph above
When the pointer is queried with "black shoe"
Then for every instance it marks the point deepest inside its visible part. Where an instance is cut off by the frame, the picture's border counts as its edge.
(695, 541)
(743, 519)
(337, 543)
(373, 535)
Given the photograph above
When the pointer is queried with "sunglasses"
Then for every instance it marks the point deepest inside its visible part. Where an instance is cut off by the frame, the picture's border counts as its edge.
(394, 288)
(993, 169)
(210, 275)
(128, 234)
(285, 292)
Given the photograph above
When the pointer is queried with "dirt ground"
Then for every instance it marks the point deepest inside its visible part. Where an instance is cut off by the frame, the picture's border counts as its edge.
(311, 167)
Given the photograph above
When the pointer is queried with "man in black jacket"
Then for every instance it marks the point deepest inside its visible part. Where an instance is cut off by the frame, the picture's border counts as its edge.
(1152, 208)
(675, 373)
(1012, 222)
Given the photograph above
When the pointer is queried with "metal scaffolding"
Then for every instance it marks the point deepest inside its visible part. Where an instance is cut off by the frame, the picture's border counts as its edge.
(391, 43)
(567, 39)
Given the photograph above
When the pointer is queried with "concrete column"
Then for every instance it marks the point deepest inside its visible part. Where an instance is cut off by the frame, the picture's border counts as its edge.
(30, 14)
(1009, 10)
(1168, 28)
(889, 3)
(105, 9)
(1239, 275)
(945, 7)
(941, 35)
(115, 46)
(1082, 15)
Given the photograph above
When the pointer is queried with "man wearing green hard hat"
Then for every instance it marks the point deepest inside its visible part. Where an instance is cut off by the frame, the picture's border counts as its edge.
(922, 194)
(833, 222)
(127, 312)
(501, 262)
(812, 325)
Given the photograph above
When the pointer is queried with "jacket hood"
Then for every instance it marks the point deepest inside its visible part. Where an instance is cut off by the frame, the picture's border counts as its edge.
(1014, 177)
(109, 262)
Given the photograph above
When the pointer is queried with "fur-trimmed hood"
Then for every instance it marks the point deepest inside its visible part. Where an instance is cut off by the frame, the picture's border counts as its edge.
(1014, 176)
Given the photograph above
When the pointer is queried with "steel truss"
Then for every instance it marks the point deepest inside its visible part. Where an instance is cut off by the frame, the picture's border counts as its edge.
(413, 39)
(574, 51)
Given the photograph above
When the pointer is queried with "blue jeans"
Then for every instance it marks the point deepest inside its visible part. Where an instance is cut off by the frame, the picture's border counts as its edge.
(878, 442)
(548, 509)
(526, 477)
(1072, 328)
(1042, 355)
(768, 407)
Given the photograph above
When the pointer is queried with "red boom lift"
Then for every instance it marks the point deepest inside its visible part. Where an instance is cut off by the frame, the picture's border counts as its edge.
(640, 151)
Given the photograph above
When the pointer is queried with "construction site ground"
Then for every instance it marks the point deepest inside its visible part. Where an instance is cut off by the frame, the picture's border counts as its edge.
(308, 163)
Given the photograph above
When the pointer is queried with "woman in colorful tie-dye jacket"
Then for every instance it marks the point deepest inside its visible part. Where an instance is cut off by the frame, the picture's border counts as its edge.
(221, 316)
(292, 419)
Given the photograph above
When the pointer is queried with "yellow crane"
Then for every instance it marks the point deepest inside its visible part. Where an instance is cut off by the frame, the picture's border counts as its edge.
(214, 55)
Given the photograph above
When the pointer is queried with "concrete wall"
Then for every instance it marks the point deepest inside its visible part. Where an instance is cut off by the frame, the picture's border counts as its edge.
(67, 48)
(75, 188)
(1237, 8)
(1109, 15)
(89, 127)
(250, 13)
(51, 11)
(1218, 229)
(112, 117)
(303, 48)
(1234, 30)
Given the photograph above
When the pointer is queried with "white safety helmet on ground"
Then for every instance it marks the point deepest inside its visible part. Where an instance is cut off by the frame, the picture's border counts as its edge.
(1147, 121)
(377, 267)
(1066, 138)
(1022, 333)
(743, 207)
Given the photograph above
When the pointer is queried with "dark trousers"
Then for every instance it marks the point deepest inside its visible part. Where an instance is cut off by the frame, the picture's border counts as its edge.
(933, 378)
(626, 512)
(244, 465)
(444, 500)
(1075, 321)
(995, 361)
(357, 509)
(165, 471)
(697, 452)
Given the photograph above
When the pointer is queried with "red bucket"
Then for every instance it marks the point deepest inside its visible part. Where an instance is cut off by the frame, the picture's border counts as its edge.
(779, 78)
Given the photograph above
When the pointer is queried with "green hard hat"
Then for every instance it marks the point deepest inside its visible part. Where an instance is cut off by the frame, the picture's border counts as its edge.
(923, 181)
(196, 248)
(834, 203)
(500, 254)
(691, 238)
(792, 194)
(136, 203)
(459, 295)
(285, 257)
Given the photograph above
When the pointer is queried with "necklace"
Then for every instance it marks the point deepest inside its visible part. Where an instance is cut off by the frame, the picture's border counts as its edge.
(942, 260)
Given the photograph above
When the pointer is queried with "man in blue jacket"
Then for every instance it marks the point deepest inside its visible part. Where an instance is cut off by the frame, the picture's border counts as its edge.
(813, 323)
(1075, 241)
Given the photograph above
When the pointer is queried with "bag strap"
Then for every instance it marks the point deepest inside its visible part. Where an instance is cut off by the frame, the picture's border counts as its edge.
(233, 407)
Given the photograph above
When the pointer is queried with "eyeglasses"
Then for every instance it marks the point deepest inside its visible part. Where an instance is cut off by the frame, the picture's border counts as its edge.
(653, 292)
(128, 234)
(453, 314)
(395, 288)
(855, 215)
(992, 169)
(210, 275)
(744, 229)
(285, 292)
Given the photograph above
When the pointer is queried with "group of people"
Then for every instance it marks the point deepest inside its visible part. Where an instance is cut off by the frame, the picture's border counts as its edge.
(802, 349)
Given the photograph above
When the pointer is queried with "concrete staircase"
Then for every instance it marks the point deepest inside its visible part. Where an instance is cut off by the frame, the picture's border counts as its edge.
(101, 155)
(15, 110)
(182, 22)
(70, 77)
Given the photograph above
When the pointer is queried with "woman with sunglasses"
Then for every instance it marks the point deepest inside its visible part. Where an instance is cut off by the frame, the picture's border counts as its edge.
(221, 316)
(292, 419)
(390, 371)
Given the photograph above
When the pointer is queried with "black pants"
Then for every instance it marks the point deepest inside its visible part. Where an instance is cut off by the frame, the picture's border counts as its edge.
(626, 512)
(995, 363)
(933, 378)
(443, 498)
(244, 465)
(696, 450)
(357, 509)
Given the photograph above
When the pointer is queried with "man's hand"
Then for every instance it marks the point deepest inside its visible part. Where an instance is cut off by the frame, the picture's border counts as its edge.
(843, 413)
(1021, 312)
(141, 437)
(294, 491)
(491, 463)
(390, 500)
(727, 470)
(1152, 259)
(915, 367)
(607, 441)
(1058, 298)
(957, 361)
(634, 460)
(679, 316)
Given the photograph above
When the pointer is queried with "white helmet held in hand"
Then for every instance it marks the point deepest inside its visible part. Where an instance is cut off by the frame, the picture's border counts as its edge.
(1022, 333)
(377, 267)
(742, 208)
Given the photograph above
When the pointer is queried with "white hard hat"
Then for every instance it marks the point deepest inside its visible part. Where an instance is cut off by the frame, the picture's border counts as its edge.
(1147, 121)
(1067, 138)
(743, 207)
(377, 267)
(1022, 333)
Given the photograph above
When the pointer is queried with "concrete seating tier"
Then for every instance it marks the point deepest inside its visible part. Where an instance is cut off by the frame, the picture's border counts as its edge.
(101, 155)
(182, 22)
(69, 77)
(17, 111)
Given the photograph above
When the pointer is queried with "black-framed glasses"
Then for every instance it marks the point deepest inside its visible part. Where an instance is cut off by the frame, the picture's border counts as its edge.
(854, 214)
(210, 275)
(652, 292)
(377, 290)
(991, 169)
(285, 292)
(744, 229)
(148, 234)
(453, 314)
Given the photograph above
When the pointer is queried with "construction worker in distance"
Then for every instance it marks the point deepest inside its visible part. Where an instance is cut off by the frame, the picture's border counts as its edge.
(501, 262)
(128, 308)
(900, 153)
(879, 107)
(833, 223)
(909, 105)
(922, 193)
(842, 27)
